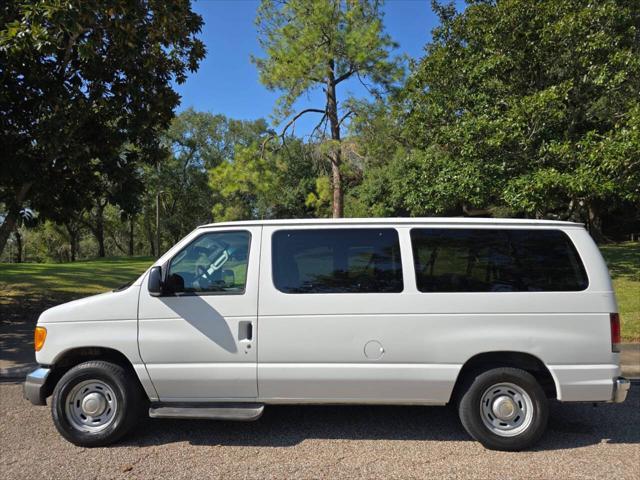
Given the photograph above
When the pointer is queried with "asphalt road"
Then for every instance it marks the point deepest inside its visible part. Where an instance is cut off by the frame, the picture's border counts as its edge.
(583, 441)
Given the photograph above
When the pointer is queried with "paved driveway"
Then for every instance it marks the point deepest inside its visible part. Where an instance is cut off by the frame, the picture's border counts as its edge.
(583, 441)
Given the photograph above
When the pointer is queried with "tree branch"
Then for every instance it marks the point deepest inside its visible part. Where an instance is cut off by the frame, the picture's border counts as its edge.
(298, 115)
(318, 126)
(345, 116)
(368, 87)
(71, 43)
(288, 125)
(345, 75)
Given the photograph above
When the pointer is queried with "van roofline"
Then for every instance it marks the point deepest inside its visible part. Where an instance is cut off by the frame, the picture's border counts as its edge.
(399, 221)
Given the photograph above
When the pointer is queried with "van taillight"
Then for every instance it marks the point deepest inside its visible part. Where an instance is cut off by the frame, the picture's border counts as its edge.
(614, 320)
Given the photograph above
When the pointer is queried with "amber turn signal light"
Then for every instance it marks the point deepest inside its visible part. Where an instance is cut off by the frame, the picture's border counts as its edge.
(39, 337)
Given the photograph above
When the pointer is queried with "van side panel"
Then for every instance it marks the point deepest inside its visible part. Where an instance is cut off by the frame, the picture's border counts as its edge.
(312, 346)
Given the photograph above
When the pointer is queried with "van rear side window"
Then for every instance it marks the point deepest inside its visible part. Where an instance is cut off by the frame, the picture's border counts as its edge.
(496, 260)
(356, 260)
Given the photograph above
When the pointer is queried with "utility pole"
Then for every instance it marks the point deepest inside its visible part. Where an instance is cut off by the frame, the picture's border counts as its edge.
(158, 224)
(158, 211)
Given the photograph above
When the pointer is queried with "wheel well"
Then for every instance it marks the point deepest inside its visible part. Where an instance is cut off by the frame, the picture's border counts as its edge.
(524, 361)
(76, 356)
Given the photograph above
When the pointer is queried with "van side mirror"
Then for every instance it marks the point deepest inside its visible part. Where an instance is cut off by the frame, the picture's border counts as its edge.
(155, 282)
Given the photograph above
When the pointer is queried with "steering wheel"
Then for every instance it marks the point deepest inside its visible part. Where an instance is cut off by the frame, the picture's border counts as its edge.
(206, 273)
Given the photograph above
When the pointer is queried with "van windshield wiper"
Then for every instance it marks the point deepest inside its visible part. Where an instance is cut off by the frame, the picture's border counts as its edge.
(123, 286)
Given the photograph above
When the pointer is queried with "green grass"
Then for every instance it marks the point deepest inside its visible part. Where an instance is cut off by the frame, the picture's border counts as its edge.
(624, 265)
(77, 278)
(63, 281)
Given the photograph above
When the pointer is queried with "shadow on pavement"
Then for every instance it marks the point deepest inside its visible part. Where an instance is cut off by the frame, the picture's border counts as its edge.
(19, 314)
(570, 426)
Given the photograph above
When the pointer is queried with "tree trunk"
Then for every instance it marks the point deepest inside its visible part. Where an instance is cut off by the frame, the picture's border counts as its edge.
(99, 229)
(131, 225)
(336, 152)
(18, 246)
(149, 232)
(73, 241)
(595, 222)
(73, 244)
(158, 241)
(336, 177)
(10, 221)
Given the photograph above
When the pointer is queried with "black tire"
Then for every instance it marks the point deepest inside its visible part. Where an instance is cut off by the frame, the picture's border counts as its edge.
(469, 409)
(125, 389)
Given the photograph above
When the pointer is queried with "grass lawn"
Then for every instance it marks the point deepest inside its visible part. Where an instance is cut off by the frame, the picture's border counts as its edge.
(36, 286)
(624, 264)
(78, 278)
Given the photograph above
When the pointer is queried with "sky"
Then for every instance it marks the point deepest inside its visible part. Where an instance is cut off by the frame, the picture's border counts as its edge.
(227, 82)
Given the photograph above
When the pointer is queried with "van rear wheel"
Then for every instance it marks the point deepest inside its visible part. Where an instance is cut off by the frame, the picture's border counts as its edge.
(504, 409)
(95, 403)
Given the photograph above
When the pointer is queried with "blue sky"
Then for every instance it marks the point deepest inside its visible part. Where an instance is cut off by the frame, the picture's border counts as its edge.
(227, 82)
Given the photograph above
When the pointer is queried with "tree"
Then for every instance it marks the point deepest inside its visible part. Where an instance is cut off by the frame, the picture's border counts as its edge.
(262, 183)
(81, 80)
(312, 44)
(532, 109)
(197, 142)
(121, 187)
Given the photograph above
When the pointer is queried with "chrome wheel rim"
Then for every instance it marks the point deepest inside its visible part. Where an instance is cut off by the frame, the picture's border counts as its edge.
(506, 409)
(91, 406)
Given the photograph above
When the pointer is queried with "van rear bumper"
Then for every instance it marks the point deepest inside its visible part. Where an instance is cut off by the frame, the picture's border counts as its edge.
(587, 383)
(620, 389)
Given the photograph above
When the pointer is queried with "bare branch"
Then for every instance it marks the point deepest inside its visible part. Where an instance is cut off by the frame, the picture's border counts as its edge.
(291, 122)
(298, 115)
(345, 116)
(319, 125)
(367, 86)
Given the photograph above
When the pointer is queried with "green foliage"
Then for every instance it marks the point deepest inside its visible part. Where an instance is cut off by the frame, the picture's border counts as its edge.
(260, 183)
(624, 266)
(83, 81)
(319, 200)
(307, 40)
(514, 110)
(243, 187)
(529, 108)
(312, 44)
(196, 142)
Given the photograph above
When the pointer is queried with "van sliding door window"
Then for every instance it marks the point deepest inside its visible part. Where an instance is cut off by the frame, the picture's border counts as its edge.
(213, 263)
(358, 260)
(493, 260)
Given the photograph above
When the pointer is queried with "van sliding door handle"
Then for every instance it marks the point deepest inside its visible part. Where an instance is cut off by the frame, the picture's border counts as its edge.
(245, 331)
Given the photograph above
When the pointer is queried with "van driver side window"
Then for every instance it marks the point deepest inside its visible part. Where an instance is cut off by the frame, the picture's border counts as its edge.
(215, 262)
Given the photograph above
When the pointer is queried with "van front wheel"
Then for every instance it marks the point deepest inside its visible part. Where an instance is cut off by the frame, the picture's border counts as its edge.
(95, 403)
(504, 409)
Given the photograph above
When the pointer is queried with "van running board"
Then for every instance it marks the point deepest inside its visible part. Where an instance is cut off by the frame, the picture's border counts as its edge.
(213, 411)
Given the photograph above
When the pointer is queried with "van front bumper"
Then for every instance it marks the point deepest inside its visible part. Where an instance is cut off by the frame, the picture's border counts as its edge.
(620, 389)
(34, 386)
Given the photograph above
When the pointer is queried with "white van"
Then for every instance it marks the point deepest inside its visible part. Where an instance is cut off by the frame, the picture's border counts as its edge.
(495, 316)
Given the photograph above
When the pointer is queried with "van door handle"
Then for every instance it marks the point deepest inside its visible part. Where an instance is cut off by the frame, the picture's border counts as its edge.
(245, 331)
